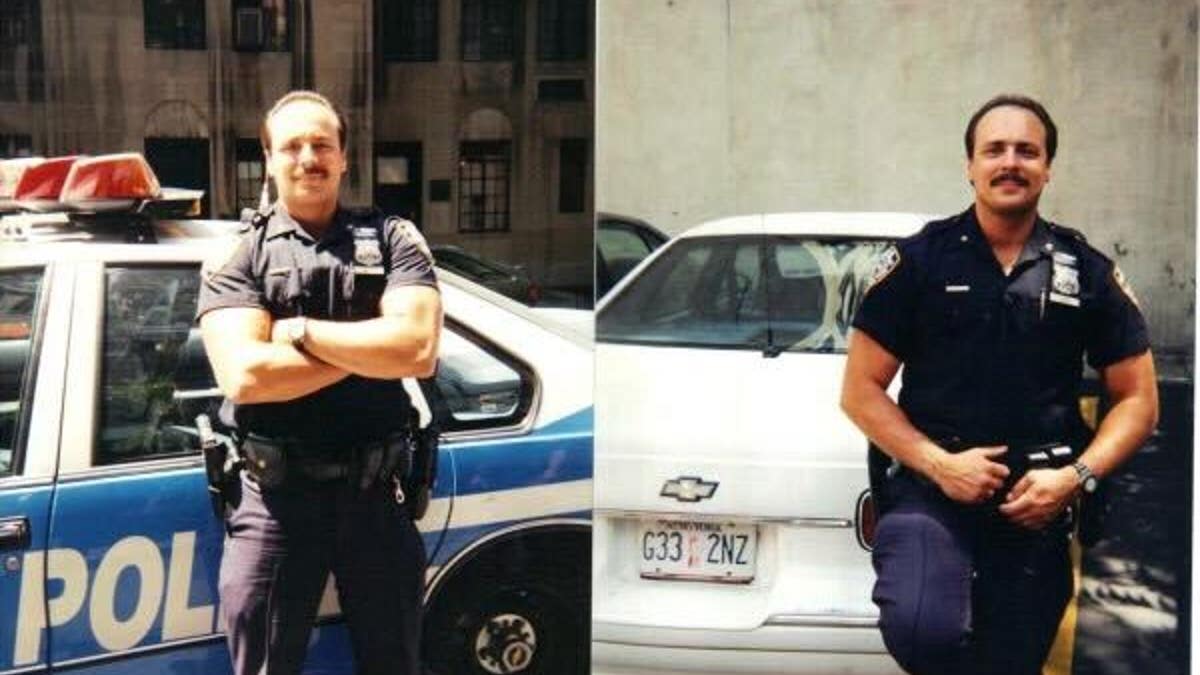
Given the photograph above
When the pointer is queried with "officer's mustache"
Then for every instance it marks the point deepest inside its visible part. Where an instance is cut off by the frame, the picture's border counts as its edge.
(315, 173)
(1008, 177)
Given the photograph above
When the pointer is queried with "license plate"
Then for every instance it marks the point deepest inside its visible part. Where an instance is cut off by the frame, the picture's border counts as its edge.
(698, 550)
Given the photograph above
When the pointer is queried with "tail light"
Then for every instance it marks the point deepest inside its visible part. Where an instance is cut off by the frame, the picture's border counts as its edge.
(865, 519)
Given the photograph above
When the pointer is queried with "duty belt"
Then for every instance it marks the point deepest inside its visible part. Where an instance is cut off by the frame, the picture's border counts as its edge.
(272, 461)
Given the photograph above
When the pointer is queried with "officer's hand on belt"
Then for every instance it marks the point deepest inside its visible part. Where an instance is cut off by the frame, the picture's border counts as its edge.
(971, 476)
(1040, 496)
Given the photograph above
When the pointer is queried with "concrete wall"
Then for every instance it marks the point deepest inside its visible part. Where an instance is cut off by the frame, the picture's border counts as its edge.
(715, 107)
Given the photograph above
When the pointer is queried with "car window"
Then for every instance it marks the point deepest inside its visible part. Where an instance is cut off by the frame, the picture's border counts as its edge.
(618, 243)
(155, 377)
(480, 387)
(19, 294)
(815, 286)
(707, 292)
(791, 294)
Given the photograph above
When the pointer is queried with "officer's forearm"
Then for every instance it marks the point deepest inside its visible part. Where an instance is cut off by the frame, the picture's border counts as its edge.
(271, 373)
(877, 415)
(386, 347)
(250, 368)
(1132, 385)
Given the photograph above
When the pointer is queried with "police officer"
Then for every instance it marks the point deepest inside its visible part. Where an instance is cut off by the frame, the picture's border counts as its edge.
(309, 325)
(991, 312)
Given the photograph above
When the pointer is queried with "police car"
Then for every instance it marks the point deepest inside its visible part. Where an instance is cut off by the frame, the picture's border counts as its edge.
(109, 549)
(732, 515)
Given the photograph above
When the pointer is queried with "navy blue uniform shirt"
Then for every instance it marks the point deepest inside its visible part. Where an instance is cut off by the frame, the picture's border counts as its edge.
(280, 268)
(996, 359)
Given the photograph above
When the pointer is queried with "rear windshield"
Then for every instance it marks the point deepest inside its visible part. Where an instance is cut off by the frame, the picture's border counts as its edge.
(771, 293)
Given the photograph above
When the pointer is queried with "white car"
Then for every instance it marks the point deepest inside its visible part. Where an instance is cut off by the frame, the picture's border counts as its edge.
(732, 518)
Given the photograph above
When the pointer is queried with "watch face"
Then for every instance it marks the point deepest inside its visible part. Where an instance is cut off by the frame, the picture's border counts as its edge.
(296, 332)
(1090, 484)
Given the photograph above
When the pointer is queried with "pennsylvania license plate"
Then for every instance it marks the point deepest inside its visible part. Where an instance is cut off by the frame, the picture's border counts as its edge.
(703, 551)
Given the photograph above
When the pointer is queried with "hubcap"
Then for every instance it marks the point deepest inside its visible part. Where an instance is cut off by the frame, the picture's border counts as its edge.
(505, 644)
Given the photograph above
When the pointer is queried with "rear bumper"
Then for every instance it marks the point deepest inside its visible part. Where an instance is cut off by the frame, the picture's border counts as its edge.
(774, 649)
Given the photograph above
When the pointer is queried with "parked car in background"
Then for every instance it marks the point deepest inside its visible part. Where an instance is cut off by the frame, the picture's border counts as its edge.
(621, 243)
(732, 518)
(504, 279)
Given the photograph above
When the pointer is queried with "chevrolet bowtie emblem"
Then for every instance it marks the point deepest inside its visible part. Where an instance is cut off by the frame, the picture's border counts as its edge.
(688, 488)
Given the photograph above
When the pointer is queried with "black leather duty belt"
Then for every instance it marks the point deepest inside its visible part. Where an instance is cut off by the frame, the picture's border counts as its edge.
(272, 461)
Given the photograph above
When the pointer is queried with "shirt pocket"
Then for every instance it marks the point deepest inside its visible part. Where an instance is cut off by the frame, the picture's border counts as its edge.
(283, 291)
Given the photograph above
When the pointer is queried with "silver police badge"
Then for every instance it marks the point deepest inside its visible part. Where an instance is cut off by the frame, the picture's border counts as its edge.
(366, 247)
(1066, 280)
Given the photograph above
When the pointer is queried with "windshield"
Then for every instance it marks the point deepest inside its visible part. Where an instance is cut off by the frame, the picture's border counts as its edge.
(776, 293)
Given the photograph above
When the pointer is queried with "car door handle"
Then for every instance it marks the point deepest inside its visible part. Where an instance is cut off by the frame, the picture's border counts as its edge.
(14, 533)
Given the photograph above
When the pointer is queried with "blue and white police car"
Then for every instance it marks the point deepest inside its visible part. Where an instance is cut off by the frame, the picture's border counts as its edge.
(109, 549)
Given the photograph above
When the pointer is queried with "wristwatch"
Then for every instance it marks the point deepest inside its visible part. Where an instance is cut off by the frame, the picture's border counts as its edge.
(297, 331)
(1087, 479)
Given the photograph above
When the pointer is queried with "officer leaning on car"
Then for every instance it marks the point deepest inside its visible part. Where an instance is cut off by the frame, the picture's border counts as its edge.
(310, 324)
(991, 313)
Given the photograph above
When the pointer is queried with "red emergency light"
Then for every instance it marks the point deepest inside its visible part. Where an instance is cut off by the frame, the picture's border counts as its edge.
(11, 171)
(109, 181)
(40, 183)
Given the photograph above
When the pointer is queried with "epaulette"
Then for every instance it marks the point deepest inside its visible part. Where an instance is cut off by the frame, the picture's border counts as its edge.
(1067, 232)
(252, 219)
(935, 226)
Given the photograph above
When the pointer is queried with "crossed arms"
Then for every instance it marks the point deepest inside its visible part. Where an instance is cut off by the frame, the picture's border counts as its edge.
(254, 361)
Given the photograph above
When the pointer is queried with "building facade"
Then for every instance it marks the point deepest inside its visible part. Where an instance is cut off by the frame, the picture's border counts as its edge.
(472, 117)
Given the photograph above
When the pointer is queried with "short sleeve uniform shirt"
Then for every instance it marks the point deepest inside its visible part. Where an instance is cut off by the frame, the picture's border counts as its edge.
(282, 269)
(991, 358)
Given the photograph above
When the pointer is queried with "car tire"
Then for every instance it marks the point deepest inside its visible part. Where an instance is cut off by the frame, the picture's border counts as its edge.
(531, 624)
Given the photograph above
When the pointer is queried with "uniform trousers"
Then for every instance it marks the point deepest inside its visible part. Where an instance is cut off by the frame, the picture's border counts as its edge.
(281, 547)
(962, 590)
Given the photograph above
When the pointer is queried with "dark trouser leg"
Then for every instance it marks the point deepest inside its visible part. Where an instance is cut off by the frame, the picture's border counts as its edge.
(272, 574)
(1024, 585)
(380, 573)
(923, 563)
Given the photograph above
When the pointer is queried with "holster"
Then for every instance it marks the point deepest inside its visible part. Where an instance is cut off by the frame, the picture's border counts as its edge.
(222, 467)
(418, 482)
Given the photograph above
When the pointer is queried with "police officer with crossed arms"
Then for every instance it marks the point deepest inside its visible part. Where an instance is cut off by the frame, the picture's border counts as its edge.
(310, 324)
(991, 312)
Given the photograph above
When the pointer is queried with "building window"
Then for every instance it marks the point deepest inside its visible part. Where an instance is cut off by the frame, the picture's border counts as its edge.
(14, 22)
(16, 145)
(410, 30)
(572, 174)
(483, 176)
(250, 169)
(562, 30)
(262, 25)
(488, 28)
(174, 24)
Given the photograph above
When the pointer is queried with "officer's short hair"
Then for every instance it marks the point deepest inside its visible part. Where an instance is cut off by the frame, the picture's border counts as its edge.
(264, 133)
(1018, 101)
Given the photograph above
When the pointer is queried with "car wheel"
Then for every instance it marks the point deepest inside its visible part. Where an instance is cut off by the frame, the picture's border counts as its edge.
(524, 625)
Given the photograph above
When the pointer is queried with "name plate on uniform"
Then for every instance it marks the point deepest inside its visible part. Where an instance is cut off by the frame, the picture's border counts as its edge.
(697, 550)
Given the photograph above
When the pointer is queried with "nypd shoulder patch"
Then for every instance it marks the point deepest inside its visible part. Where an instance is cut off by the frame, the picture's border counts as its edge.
(411, 235)
(885, 264)
(1123, 283)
